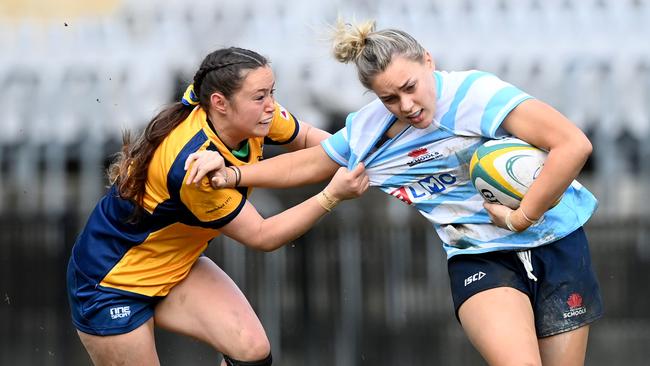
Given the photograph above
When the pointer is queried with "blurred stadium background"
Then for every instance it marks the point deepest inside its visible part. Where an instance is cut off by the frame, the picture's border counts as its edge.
(368, 285)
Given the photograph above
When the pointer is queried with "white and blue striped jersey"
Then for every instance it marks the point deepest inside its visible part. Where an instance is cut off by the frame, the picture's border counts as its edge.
(429, 168)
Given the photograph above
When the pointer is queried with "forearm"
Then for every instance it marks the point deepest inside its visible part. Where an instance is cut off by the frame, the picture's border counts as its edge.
(561, 167)
(292, 169)
(541, 125)
(289, 225)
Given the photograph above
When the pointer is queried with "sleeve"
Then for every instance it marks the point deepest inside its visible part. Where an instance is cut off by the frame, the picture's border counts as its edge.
(214, 208)
(338, 147)
(284, 127)
(485, 98)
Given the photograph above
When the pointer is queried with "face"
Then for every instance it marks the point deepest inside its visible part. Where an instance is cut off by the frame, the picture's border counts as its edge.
(250, 110)
(408, 90)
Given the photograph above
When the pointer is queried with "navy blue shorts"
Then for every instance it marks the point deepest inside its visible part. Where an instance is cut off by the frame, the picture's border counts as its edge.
(104, 311)
(565, 296)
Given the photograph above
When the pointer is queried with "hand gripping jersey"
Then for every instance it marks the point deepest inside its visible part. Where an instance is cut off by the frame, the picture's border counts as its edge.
(429, 168)
(157, 252)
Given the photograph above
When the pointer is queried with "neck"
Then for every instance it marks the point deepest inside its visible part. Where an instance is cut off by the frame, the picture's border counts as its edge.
(220, 127)
(397, 127)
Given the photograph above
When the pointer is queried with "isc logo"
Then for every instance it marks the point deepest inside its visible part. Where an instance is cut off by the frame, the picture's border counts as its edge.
(475, 277)
(120, 312)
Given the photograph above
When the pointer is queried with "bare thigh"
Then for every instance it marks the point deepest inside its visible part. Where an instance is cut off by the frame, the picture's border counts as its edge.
(134, 348)
(565, 349)
(209, 306)
(500, 324)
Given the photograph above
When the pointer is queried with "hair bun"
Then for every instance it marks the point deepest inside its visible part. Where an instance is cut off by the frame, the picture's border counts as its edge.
(350, 40)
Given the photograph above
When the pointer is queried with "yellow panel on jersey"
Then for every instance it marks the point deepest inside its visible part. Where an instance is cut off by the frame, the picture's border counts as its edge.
(281, 127)
(170, 251)
(150, 257)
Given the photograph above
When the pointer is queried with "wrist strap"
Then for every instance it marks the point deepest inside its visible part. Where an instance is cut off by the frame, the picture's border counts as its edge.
(237, 172)
(509, 222)
(531, 221)
(326, 201)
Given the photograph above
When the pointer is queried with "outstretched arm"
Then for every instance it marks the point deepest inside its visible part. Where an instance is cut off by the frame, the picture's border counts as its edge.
(269, 234)
(292, 169)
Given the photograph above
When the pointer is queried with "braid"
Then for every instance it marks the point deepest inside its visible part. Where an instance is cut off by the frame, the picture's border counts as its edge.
(222, 71)
(200, 74)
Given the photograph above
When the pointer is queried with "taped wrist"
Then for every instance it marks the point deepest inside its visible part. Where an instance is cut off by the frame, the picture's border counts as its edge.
(326, 200)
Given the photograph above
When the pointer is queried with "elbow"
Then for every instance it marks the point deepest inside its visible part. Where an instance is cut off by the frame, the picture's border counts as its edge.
(267, 247)
(263, 244)
(584, 147)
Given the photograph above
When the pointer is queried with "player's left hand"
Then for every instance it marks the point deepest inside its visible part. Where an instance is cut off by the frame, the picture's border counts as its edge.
(497, 213)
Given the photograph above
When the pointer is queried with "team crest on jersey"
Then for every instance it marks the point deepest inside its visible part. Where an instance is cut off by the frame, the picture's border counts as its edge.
(424, 188)
(422, 154)
(284, 113)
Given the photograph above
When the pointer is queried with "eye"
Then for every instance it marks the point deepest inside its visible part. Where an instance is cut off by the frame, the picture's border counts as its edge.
(410, 88)
(273, 92)
(389, 100)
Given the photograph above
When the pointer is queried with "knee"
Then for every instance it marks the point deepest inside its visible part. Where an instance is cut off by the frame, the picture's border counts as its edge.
(252, 346)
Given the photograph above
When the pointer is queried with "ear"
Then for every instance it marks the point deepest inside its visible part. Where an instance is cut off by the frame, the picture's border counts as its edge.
(219, 102)
(428, 61)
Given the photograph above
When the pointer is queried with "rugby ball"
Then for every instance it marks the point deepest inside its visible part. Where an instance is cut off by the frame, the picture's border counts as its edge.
(502, 170)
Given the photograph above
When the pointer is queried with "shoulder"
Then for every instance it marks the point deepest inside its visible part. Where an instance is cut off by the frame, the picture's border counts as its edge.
(370, 112)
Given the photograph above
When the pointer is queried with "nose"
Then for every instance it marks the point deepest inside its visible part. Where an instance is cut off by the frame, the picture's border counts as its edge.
(406, 105)
(269, 103)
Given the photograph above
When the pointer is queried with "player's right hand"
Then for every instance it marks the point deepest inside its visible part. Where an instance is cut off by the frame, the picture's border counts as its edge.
(347, 184)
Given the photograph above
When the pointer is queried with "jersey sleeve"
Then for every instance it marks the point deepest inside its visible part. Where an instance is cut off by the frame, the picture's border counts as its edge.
(214, 208)
(284, 127)
(480, 105)
(338, 147)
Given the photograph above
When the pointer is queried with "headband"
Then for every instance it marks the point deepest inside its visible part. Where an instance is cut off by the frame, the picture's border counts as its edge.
(189, 97)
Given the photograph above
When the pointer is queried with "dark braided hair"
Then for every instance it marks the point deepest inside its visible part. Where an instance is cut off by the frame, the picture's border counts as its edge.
(221, 71)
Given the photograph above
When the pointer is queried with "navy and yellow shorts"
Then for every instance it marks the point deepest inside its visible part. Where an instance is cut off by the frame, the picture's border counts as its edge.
(565, 296)
(103, 311)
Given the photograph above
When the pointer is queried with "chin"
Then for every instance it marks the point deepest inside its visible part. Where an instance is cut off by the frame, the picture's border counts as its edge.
(422, 125)
(262, 131)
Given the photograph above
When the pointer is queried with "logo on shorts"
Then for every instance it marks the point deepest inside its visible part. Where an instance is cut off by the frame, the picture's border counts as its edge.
(120, 312)
(575, 306)
(475, 277)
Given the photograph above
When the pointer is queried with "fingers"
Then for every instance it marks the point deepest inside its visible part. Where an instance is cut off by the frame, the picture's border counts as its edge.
(348, 184)
(358, 170)
(218, 181)
(190, 159)
(200, 164)
(200, 173)
(191, 175)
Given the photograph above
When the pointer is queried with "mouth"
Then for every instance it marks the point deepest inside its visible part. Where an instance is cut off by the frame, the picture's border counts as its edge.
(266, 121)
(416, 116)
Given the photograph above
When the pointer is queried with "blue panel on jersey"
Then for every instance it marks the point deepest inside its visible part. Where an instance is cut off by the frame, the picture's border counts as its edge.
(495, 107)
(436, 74)
(449, 119)
(175, 180)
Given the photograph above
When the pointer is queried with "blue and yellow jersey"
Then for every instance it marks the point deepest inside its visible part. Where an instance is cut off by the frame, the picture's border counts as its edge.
(151, 256)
